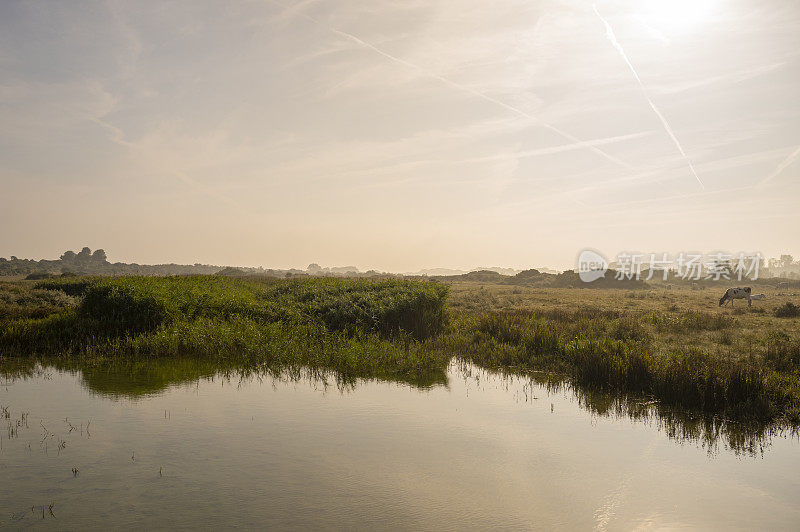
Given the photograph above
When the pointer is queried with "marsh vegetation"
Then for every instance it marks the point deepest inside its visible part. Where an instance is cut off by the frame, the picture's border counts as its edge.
(670, 347)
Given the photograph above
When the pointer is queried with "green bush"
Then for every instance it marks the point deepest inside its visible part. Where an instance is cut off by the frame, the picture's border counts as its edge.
(125, 309)
(135, 304)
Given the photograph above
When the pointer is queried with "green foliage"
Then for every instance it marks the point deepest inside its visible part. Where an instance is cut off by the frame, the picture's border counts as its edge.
(385, 307)
(350, 326)
(125, 309)
(136, 304)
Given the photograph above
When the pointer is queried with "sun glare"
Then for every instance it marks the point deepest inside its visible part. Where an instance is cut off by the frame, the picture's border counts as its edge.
(678, 15)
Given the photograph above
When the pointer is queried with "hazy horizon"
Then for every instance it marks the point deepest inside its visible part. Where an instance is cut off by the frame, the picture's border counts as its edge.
(399, 136)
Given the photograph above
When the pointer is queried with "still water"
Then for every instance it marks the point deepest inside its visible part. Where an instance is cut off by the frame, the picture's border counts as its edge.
(167, 445)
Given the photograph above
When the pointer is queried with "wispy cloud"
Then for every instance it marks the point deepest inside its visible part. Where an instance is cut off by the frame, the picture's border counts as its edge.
(721, 79)
(465, 88)
(657, 177)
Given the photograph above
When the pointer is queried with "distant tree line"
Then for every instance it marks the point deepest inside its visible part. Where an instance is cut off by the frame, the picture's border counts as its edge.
(88, 262)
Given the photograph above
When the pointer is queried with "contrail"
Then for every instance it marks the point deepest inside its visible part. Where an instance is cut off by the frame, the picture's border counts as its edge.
(461, 87)
(781, 167)
(500, 157)
(611, 37)
(478, 94)
(561, 148)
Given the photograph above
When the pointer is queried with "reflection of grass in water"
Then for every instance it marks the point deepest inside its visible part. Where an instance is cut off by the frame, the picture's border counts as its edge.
(129, 378)
(114, 377)
(746, 438)
(132, 378)
(741, 437)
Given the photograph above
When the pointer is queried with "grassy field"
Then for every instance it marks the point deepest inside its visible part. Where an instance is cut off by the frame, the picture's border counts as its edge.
(675, 347)
(668, 319)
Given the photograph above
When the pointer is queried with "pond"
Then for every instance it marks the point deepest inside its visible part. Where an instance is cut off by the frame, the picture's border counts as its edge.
(180, 444)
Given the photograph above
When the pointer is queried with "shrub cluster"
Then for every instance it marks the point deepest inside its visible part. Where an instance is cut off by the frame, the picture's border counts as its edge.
(18, 302)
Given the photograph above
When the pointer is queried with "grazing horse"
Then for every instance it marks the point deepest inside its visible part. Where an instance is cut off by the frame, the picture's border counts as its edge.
(736, 293)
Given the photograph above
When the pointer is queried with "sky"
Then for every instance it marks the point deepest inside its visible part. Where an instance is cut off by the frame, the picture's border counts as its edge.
(399, 135)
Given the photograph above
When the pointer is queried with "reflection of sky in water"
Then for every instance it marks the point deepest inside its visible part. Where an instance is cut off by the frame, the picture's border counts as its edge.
(271, 453)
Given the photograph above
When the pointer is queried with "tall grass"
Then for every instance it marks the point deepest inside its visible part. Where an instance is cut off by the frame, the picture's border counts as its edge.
(137, 304)
(72, 286)
(615, 354)
(20, 301)
(352, 327)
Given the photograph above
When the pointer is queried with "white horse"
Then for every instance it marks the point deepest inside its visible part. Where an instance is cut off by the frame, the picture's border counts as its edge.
(736, 293)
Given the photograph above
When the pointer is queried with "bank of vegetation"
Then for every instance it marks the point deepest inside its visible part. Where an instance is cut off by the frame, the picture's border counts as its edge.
(404, 330)
(352, 326)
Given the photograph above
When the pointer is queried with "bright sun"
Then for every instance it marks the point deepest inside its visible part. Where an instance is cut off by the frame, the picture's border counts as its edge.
(677, 15)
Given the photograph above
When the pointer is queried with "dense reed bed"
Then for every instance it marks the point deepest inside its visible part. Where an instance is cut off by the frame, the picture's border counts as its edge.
(136, 304)
(350, 326)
